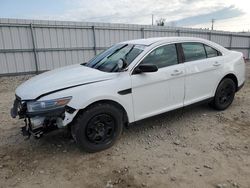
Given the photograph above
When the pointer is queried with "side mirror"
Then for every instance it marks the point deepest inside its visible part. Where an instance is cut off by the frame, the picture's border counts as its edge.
(146, 68)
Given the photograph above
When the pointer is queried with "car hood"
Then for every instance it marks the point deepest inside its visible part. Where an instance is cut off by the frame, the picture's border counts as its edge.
(61, 78)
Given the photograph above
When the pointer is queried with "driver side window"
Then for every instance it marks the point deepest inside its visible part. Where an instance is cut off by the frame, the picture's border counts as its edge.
(162, 56)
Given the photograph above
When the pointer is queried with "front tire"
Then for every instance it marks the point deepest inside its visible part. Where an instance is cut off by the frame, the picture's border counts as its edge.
(224, 95)
(98, 127)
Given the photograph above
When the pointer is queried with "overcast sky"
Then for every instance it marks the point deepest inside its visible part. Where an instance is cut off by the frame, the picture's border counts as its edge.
(232, 15)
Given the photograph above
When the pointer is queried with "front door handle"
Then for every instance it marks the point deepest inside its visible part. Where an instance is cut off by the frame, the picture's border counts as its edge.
(216, 64)
(177, 73)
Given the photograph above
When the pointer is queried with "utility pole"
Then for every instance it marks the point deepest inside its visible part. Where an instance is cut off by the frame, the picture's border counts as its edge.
(212, 28)
(152, 19)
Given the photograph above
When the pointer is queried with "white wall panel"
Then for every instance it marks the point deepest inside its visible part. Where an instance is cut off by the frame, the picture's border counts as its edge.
(222, 40)
(61, 43)
(3, 64)
(240, 42)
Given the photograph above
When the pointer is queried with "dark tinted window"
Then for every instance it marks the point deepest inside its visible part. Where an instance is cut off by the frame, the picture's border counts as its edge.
(193, 51)
(211, 52)
(163, 56)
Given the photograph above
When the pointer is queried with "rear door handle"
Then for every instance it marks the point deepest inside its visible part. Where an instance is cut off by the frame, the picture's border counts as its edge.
(177, 73)
(216, 64)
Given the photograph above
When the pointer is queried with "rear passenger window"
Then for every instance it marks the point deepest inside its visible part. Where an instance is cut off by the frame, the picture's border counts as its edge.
(211, 52)
(193, 51)
(162, 57)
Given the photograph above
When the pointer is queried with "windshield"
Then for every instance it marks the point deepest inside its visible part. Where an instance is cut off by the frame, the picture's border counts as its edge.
(108, 59)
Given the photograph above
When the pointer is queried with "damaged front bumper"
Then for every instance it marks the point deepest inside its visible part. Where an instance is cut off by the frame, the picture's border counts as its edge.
(38, 123)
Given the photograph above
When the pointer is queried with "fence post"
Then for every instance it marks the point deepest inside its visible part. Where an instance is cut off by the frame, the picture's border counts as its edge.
(249, 49)
(230, 41)
(210, 35)
(34, 46)
(142, 33)
(178, 33)
(94, 38)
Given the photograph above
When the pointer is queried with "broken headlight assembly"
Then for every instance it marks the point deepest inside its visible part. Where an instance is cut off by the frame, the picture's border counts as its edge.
(44, 116)
(47, 105)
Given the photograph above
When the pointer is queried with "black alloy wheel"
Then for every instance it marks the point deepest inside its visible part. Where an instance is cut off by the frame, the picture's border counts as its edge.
(101, 129)
(224, 94)
(98, 127)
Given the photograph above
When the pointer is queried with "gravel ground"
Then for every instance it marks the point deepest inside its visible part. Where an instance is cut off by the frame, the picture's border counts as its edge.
(191, 147)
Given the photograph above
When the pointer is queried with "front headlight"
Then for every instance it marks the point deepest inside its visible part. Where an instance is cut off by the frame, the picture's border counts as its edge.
(38, 106)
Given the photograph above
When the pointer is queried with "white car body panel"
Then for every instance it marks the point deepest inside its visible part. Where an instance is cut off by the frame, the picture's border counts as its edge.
(207, 70)
(164, 87)
(59, 78)
(152, 93)
(105, 90)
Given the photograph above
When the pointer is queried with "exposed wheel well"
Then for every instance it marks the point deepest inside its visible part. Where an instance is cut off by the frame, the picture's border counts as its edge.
(234, 78)
(114, 103)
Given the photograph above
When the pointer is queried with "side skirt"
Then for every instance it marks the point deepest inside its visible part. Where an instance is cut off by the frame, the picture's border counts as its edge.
(185, 107)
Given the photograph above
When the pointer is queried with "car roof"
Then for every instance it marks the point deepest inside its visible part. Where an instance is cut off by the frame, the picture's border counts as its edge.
(162, 40)
(149, 41)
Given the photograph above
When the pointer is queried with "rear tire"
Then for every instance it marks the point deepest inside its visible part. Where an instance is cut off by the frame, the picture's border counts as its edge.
(224, 95)
(98, 127)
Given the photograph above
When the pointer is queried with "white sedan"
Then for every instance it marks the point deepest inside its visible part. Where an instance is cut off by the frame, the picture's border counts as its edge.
(130, 81)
